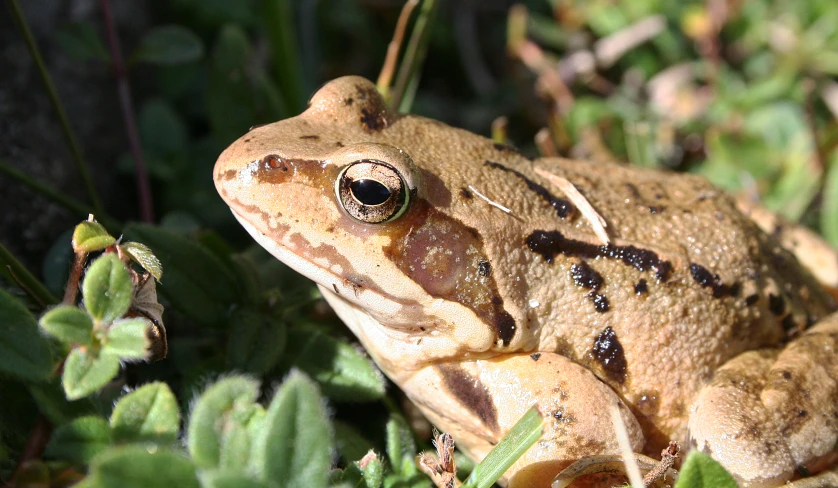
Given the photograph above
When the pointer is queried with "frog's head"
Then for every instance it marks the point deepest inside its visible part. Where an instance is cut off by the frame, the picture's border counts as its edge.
(348, 194)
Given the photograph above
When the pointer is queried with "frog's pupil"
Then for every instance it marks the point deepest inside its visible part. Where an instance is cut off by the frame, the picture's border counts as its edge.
(369, 192)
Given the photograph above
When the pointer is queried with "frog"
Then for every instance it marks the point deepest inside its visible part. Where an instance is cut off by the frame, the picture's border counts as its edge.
(483, 282)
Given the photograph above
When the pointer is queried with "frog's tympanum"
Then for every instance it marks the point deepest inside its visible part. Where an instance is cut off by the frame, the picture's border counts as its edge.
(483, 282)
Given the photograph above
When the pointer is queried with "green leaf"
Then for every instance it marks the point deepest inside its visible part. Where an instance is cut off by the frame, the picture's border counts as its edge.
(149, 413)
(24, 352)
(256, 342)
(69, 324)
(343, 373)
(79, 440)
(142, 255)
(169, 44)
(81, 41)
(141, 466)
(127, 338)
(197, 282)
(298, 442)
(91, 236)
(514, 444)
(350, 444)
(701, 471)
(85, 373)
(107, 289)
(218, 434)
(400, 443)
(829, 211)
(53, 403)
(228, 479)
(373, 473)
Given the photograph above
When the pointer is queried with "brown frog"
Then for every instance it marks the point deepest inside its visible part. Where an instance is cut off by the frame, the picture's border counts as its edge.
(483, 282)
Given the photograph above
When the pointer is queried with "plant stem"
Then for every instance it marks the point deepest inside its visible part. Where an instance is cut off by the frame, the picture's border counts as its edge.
(414, 56)
(27, 282)
(124, 90)
(70, 204)
(75, 149)
(392, 57)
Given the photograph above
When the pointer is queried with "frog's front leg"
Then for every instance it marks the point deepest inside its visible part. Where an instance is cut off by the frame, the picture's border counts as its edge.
(770, 414)
(478, 401)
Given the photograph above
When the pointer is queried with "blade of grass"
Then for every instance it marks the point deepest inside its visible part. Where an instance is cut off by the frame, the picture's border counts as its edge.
(513, 445)
(75, 148)
(407, 79)
(392, 58)
(282, 36)
(18, 274)
(70, 204)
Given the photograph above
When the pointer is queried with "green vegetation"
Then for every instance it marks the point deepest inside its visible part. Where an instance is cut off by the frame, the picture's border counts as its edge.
(262, 386)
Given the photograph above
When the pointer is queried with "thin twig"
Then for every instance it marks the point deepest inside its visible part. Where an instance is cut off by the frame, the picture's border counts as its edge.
(414, 54)
(75, 148)
(70, 204)
(390, 61)
(35, 444)
(72, 288)
(124, 90)
(28, 282)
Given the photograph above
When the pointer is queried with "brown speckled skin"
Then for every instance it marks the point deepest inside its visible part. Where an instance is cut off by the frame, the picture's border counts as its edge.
(421, 299)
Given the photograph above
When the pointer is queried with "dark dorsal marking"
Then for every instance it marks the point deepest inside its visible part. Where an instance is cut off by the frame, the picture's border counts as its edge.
(312, 137)
(471, 393)
(586, 277)
(484, 268)
(776, 304)
(641, 287)
(705, 278)
(372, 121)
(535, 356)
(609, 354)
(466, 193)
(551, 243)
(562, 206)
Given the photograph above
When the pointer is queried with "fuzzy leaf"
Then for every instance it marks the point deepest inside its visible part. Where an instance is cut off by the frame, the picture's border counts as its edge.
(85, 373)
(24, 352)
(298, 442)
(142, 255)
(149, 413)
(70, 325)
(343, 373)
(107, 289)
(141, 466)
(256, 343)
(79, 440)
(217, 434)
(91, 236)
(128, 338)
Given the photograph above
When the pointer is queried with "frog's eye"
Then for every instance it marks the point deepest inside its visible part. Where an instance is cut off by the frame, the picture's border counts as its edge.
(372, 192)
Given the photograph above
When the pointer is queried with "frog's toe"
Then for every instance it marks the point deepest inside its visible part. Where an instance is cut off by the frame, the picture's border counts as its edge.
(770, 415)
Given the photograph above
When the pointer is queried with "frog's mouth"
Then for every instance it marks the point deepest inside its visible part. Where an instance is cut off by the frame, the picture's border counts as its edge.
(361, 296)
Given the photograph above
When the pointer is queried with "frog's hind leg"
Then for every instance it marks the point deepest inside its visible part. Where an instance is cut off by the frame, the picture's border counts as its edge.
(771, 415)
(809, 248)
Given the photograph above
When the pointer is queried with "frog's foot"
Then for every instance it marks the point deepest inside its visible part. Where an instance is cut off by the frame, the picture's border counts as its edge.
(771, 415)
(477, 401)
